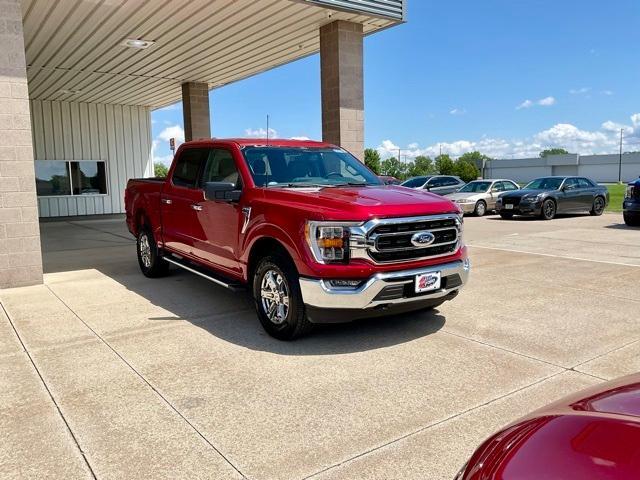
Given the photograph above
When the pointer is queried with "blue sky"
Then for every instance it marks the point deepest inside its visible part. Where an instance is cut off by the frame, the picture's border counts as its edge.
(506, 77)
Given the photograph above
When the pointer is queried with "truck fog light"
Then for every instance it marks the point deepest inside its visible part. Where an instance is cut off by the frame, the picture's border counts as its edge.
(344, 283)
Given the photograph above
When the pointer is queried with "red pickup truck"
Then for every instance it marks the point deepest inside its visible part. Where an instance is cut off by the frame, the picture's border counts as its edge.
(311, 231)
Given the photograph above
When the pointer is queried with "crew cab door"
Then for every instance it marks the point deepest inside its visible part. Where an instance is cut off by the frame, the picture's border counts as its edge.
(219, 221)
(178, 201)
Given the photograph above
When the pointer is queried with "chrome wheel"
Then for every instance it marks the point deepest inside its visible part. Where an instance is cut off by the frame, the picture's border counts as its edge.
(481, 209)
(274, 296)
(145, 250)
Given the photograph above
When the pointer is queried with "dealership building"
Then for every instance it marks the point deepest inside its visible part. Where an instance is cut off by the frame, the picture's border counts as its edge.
(79, 79)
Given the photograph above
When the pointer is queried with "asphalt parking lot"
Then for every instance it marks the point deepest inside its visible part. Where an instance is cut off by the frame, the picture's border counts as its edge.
(107, 374)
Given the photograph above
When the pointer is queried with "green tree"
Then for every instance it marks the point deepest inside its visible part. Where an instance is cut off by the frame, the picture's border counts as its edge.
(422, 165)
(553, 151)
(444, 165)
(160, 170)
(372, 160)
(394, 167)
(466, 169)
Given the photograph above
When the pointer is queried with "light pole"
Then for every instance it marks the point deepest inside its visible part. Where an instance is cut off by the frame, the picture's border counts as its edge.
(620, 159)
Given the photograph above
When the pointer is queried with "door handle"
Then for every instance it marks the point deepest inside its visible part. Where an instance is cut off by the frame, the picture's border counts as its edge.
(167, 201)
(197, 207)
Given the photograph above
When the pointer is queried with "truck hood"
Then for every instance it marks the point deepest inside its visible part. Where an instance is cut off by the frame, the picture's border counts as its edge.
(361, 203)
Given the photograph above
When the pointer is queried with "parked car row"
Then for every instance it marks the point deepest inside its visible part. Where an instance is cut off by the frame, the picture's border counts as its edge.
(544, 197)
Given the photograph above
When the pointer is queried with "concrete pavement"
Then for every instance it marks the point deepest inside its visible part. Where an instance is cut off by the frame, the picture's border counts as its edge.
(108, 374)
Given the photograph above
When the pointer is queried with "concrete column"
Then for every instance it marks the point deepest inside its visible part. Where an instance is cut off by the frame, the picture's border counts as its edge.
(342, 85)
(20, 254)
(195, 109)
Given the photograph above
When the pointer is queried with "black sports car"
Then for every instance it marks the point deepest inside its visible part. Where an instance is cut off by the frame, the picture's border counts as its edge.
(547, 196)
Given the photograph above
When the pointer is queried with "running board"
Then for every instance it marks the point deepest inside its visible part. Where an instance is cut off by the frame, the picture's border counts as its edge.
(204, 274)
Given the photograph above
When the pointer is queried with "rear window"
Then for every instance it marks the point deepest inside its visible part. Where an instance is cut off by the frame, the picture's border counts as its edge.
(187, 168)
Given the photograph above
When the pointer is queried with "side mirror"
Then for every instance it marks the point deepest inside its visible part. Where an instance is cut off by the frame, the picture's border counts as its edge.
(222, 192)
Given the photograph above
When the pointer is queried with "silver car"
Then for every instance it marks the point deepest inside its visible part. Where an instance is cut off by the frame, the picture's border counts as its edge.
(440, 184)
(480, 196)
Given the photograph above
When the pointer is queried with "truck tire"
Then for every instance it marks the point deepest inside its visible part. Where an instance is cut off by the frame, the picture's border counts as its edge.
(149, 255)
(276, 292)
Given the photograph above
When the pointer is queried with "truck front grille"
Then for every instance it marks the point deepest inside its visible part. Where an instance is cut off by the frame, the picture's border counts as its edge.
(391, 240)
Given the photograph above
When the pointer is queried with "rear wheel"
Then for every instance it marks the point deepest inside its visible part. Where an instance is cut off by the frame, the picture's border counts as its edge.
(506, 215)
(548, 210)
(149, 256)
(481, 208)
(278, 300)
(598, 206)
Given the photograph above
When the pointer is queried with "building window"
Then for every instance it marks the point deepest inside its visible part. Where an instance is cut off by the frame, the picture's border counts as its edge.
(88, 178)
(52, 178)
(60, 178)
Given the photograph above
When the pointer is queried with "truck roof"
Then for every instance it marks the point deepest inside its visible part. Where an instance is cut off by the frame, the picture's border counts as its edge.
(274, 142)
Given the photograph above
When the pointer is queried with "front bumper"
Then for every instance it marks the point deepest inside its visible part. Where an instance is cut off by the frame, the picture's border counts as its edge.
(383, 293)
(523, 208)
(631, 206)
(467, 207)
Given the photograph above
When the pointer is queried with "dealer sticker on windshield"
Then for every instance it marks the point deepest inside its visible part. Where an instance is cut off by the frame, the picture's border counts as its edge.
(426, 282)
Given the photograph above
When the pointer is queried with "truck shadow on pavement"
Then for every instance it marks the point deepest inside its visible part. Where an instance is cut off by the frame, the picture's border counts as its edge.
(236, 320)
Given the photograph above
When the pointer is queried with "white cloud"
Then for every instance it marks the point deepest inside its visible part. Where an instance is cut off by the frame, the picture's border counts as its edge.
(302, 137)
(564, 135)
(458, 111)
(578, 91)
(260, 133)
(174, 131)
(543, 102)
(525, 104)
(608, 93)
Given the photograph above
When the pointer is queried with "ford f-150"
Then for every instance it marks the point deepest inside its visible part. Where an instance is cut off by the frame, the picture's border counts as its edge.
(312, 232)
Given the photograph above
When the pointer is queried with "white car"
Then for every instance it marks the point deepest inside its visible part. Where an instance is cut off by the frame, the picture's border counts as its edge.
(479, 196)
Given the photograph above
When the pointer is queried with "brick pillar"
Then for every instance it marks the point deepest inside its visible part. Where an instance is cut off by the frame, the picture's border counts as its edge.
(342, 85)
(195, 109)
(20, 254)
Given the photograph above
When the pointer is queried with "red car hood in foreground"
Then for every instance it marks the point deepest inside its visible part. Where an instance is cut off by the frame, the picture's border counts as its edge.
(592, 435)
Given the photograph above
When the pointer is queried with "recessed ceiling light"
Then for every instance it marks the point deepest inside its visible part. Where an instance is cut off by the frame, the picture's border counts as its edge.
(70, 92)
(137, 43)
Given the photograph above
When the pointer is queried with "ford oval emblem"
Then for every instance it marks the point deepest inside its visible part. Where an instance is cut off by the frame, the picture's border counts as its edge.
(422, 239)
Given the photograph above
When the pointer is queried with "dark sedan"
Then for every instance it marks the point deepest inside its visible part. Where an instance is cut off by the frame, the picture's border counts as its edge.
(547, 196)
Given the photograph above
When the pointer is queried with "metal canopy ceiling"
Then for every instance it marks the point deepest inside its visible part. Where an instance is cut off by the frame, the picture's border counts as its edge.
(74, 47)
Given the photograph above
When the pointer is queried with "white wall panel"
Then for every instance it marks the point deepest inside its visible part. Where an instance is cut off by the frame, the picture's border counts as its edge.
(118, 135)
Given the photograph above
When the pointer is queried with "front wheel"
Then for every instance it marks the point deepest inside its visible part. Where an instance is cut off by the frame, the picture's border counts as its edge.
(276, 291)
(631, 220)
(548, 210)
(149, 258)
(598, 206)
(481, 208)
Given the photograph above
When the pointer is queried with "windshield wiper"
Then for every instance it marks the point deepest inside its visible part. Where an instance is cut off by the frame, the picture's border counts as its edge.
(354, 184)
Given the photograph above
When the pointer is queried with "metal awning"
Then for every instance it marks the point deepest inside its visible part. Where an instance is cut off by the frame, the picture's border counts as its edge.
(75, 49)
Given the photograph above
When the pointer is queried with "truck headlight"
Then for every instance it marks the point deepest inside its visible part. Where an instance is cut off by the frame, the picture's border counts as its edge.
(329, 241)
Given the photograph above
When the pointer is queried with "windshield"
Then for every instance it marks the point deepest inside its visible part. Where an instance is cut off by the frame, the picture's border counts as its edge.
(301, 166)
(546, 183)
(475, 187)
(415, 182)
